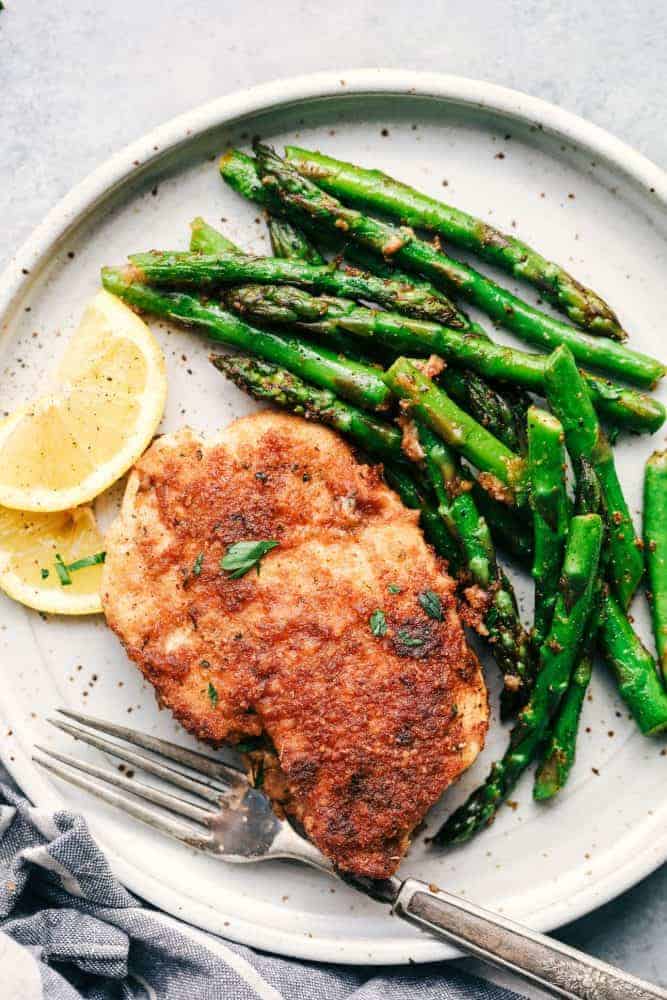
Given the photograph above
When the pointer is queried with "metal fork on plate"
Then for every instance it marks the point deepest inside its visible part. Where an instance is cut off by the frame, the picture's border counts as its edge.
(235, 822)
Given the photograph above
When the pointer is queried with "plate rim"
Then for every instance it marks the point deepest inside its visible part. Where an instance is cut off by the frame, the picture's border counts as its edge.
(35, 253)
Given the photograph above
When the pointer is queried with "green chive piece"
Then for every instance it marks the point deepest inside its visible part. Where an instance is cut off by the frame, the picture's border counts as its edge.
(196, 568)
(87, 561)
(212, 695)
(431, 604)
(242, 556)
(61, 570)
(45, 573)
(394, 588)
(378, 623)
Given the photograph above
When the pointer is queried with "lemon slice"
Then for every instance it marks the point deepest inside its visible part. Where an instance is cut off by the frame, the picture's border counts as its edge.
(29, 544)
(65, 447)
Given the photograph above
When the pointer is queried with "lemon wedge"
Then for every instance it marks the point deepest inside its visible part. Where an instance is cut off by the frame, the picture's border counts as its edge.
(66, 447)
(41, 557)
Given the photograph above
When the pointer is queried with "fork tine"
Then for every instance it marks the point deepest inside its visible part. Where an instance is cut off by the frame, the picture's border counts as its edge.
(200, 762)
(149, 793)
(186, 833)
(169, 774)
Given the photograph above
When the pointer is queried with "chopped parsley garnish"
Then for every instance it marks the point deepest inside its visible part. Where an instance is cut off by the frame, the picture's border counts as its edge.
(212, 695)
(45, 573)
(378, 623)
(196, 567)
(242, 556)
(63, 570)
(393, 588)
(407, 639)
(431, 604)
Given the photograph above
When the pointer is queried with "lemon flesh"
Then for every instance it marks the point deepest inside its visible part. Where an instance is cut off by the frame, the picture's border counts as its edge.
(66, 447)
(29, 544)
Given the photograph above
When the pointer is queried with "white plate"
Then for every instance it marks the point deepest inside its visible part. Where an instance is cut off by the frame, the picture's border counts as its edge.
(579, 195)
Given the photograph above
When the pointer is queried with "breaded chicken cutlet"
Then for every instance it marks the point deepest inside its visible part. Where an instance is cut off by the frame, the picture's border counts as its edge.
(370, 724)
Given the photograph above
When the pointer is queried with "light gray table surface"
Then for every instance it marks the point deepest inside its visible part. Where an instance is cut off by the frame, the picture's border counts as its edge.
(78, 80)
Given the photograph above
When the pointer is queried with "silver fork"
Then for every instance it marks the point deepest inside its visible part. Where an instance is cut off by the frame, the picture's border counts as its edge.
(234, 822)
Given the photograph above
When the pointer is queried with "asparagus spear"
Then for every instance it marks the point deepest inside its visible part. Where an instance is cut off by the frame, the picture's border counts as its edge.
(358, 257)
(634, 669)
(502, 413)
(205, 239)
(405, 335)
(559, 754)
(434, 407)
(360, 383)
(585, 439)
(207, 271)
(548, 495)
(282, 304)
(557, 657)
(267, 381)
(558, 759)
(500, 618)
(240, 172)
(299, 195)
(374, 190)
(508, 528)
(655, 548)
(291, 243)
(285, 304)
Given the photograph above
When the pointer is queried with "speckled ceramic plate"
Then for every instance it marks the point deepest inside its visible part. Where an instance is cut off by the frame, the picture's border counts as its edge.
(584, 199)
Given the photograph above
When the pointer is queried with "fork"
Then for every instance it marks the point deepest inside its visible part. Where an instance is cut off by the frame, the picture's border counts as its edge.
(234, 821)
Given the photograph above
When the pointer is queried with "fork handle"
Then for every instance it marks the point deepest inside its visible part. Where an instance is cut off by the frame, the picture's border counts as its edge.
(555, 967)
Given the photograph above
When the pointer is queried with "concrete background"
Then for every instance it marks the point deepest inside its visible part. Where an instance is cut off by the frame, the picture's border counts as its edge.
(79, 80)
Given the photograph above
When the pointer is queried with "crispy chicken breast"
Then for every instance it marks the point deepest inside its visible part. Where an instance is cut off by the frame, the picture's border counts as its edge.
(370, 725)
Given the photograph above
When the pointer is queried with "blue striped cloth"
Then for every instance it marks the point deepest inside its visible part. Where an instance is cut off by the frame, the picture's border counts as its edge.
(69, 930)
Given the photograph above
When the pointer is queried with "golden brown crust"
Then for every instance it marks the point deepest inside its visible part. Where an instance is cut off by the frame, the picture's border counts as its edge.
(369, 730)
